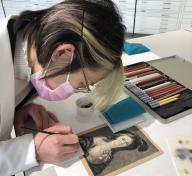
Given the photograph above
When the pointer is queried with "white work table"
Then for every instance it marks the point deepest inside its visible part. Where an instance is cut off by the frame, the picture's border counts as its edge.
(178, 42)
(170, 43)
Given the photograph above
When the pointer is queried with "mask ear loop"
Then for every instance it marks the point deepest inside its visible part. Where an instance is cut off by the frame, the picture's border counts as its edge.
(70, 66)
(46, 69)
(44, 73)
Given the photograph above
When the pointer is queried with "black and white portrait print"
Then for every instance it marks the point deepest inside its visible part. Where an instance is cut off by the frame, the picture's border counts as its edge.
(106, 152)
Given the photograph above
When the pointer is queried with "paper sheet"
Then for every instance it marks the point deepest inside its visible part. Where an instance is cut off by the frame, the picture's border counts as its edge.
(55, 169)
(143, 57)
(124, 124)
(47, 172)
(181, 153)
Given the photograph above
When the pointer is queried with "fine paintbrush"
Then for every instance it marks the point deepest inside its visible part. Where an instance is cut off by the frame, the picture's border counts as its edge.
(46, 132)
(41, 131)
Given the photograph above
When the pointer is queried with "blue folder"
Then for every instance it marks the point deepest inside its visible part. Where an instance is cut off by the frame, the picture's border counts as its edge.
(123, 110)
(134, 48)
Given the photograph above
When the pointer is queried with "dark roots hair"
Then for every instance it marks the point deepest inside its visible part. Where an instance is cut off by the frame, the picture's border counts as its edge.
(102, 37)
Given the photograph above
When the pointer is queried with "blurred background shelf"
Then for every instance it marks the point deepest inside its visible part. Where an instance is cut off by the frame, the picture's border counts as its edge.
(151, 16)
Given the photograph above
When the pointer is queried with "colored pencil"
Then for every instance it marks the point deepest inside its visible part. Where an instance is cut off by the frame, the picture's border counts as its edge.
(163, 87)
(142, 74)
(164, 90)
(129, 69)
(168, 101)
(169, 98)
(137, 71)
(156, 87)
(138, 79)
(147, 80)
(152, 83)
(173, 93)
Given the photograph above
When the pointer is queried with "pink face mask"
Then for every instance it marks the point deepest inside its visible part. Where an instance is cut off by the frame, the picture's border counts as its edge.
(62, 92)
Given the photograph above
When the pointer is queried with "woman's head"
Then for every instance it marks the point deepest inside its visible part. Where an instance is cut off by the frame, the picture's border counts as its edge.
(90, 29)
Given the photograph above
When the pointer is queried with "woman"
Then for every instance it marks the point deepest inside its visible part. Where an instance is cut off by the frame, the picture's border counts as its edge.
(61, 50)
(99, 150)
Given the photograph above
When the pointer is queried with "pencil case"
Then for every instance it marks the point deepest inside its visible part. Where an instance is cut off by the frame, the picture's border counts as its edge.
(160, 87)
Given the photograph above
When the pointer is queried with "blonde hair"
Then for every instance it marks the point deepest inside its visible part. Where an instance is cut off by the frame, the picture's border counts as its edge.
(108, 90)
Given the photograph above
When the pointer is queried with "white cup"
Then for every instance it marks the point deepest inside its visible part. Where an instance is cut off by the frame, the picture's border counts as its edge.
(85, 106)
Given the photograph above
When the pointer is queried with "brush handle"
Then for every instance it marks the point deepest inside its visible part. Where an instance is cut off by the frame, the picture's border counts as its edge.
(40, 131)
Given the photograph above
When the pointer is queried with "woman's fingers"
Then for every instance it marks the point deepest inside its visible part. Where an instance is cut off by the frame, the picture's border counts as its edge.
(67, 139)
(37, 117)
(69, 149)
(53, 117)
(42, 117)
(45, 118)
(56, 147)
(19, 122)
(60, 129)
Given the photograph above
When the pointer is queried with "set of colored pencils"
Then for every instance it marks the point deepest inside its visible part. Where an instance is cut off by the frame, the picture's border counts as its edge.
(151, 85)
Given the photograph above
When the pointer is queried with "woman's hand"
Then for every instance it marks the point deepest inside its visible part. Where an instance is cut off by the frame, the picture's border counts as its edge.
(40, 117)
(56, 147)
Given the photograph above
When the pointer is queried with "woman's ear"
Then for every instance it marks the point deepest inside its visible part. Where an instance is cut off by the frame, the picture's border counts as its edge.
(63, 51)
(33, 62)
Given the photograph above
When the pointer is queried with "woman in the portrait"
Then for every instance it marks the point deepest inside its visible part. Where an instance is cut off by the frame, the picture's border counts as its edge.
(99, 150)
